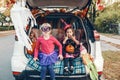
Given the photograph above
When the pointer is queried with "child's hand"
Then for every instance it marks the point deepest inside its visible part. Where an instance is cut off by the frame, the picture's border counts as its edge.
(35, 59)
(72, 37)
(66, 38)
(60, 57)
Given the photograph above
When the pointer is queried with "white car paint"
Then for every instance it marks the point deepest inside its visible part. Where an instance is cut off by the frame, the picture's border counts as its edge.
(98, 60)
(19, 61)
(96, 53)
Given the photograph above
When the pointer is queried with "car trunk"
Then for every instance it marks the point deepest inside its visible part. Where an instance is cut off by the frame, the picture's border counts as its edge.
(53, 17)
(57, 30)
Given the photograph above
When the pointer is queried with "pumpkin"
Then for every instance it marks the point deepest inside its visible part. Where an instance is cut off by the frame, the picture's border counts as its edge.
(31, 52)
(70, 48)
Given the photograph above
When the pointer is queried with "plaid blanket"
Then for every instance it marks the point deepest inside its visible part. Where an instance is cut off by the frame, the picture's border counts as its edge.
(79, 67)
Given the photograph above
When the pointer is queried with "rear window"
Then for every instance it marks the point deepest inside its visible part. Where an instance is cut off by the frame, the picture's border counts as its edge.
(57, 26)
(55, 20)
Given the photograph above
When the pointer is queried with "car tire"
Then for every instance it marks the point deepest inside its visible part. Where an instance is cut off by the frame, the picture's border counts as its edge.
(17, 78)
(21, 79)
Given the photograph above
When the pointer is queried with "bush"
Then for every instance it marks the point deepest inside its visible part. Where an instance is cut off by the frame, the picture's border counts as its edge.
(3, 20)
(4, 28)
(105, 20)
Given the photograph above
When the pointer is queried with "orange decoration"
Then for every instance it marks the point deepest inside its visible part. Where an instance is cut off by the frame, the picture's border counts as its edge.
(62, 10)
(13, 1)
(31, 52)
(70, 49)
(34, 11)
(81, 13)
(84, 12)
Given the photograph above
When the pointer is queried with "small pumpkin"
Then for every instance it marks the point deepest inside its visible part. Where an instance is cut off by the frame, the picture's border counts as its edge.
(70, 48)
(31, 52)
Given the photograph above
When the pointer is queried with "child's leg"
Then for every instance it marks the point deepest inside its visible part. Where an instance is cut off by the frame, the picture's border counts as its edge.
(71, 61)
(66, 70)
(51, 71)
(43, 72)
(71, 64)
(66, 60)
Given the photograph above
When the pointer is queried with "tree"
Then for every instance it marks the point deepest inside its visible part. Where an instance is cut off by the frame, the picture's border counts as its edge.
(106, 18)
(2, 19)
(8, 5)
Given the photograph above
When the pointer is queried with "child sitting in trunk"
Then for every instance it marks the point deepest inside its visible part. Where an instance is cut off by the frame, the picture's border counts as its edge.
(33, 38)
(71, 48)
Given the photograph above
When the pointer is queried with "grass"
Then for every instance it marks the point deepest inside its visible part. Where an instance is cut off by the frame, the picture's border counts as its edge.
(6, 28)
(111, 65)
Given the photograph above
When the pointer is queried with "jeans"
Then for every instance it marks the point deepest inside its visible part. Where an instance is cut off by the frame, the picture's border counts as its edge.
(44, 69)
(68, 61)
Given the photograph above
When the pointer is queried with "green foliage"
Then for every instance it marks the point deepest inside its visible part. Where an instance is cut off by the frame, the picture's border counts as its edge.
(3, 20)
(2, 17)
(4, 28)
(107, 19)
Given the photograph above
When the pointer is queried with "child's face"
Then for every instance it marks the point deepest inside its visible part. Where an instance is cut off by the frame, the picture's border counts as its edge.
(69, 32)
(32, 35)
(46, 30)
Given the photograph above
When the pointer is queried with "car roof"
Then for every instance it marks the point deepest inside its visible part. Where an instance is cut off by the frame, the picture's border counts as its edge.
(70, 3)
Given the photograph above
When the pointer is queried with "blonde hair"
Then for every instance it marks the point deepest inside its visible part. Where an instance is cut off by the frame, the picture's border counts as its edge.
(45, 24)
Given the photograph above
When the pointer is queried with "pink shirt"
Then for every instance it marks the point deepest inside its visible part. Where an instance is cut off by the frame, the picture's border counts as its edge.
(47, 46)
(67, 55)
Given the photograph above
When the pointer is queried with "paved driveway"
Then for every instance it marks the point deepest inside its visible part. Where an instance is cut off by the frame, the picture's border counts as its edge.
(6, 33)
(108, 43)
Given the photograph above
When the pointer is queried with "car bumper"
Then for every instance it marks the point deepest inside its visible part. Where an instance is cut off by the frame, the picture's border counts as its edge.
(35, 75)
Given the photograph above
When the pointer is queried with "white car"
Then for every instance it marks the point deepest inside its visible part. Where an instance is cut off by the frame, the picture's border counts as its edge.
(72, 11)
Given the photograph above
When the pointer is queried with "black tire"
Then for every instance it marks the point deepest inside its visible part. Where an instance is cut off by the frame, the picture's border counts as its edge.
(18, 78)
(22, 76)
(21, 79)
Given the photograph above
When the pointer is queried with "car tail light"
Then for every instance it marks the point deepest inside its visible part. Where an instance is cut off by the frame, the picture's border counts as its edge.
(16, 73)
(96, 35)
(100, 73)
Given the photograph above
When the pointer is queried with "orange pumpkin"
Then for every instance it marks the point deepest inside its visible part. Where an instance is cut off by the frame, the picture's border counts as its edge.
(70, 48)
(33, 47)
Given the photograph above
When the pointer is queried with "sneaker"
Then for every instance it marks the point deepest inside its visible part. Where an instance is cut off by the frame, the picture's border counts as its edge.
(71, 69)
(66, 71)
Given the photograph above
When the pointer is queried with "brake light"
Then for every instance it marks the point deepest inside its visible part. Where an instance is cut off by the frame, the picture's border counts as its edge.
(96, 35)
(100, 73)
(16, 73)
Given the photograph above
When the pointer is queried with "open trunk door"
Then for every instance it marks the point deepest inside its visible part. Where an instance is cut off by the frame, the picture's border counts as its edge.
(81, 4)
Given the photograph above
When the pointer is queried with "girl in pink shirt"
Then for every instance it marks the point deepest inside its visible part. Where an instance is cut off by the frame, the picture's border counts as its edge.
(45, 51)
